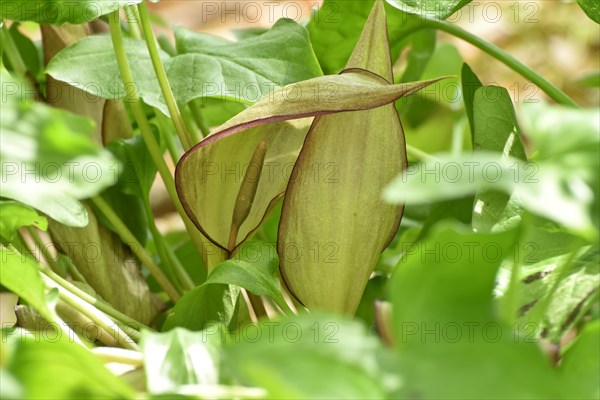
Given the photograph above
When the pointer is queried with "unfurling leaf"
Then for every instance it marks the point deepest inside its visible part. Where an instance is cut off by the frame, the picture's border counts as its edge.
(325, 256)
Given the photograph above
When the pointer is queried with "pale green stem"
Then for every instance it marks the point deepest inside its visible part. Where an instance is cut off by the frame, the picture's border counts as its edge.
(167, 255)
(419, 154)
(99, 304)
(146, 131)
(163, 125)
(161, 75)
(198, 117)
(122, 356)
(133, 19)
(550, 89)
(99, 318)
(128, 238)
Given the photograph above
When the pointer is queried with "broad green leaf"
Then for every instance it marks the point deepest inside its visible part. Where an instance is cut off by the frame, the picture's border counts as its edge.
(274, 58)
(591, 8)
(49, 152)
(203, 306)
(108, 266)
(58, 12)
(21, 275)
(14, 215)
(254, 268)
(64, 370)
(325, 256)
(210, 175)
(469, 85)
(494, 129)
(201, 72)
(540, 187)
(335, 29)
(580, 366)
(439, 9)
(29, 52)
(450, 343)
(179, 357)
(327, 357)
(577, 154)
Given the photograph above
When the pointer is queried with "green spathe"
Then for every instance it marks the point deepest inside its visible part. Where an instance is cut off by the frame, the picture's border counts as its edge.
(326, 254)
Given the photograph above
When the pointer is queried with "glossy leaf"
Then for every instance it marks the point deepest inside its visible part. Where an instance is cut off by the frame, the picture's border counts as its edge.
(14, 215)
(325, 257)
(496, 130)
(335, 29)
(177, 358)
(58, 12)
(49, 152)
(591, 8)
(20, 274)
(254, 268)
(203, 306)
(469, 84)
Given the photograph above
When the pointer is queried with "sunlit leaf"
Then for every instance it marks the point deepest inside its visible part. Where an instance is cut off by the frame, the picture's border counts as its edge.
(58, 12)
(14, 215)
(49, 152)
(20, 274)
(177, 358)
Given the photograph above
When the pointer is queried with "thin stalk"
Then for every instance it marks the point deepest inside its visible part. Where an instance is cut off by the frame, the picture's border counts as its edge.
(54, 317)
(12, 53)
(550, 89)
(419, 154)
(122, 356)
(133, 19)
(99, 304)
(163, 126)
(128, 238)
(161, 75)
(198, 117)
(190, 124)
(153, 148)
(99, 318)
(168, 257)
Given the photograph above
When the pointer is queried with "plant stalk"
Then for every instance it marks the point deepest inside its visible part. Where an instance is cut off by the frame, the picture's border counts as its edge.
(550, 89)
(136, 106)
(161, 75)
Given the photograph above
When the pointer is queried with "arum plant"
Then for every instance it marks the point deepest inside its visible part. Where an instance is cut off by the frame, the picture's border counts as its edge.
(343, 137)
